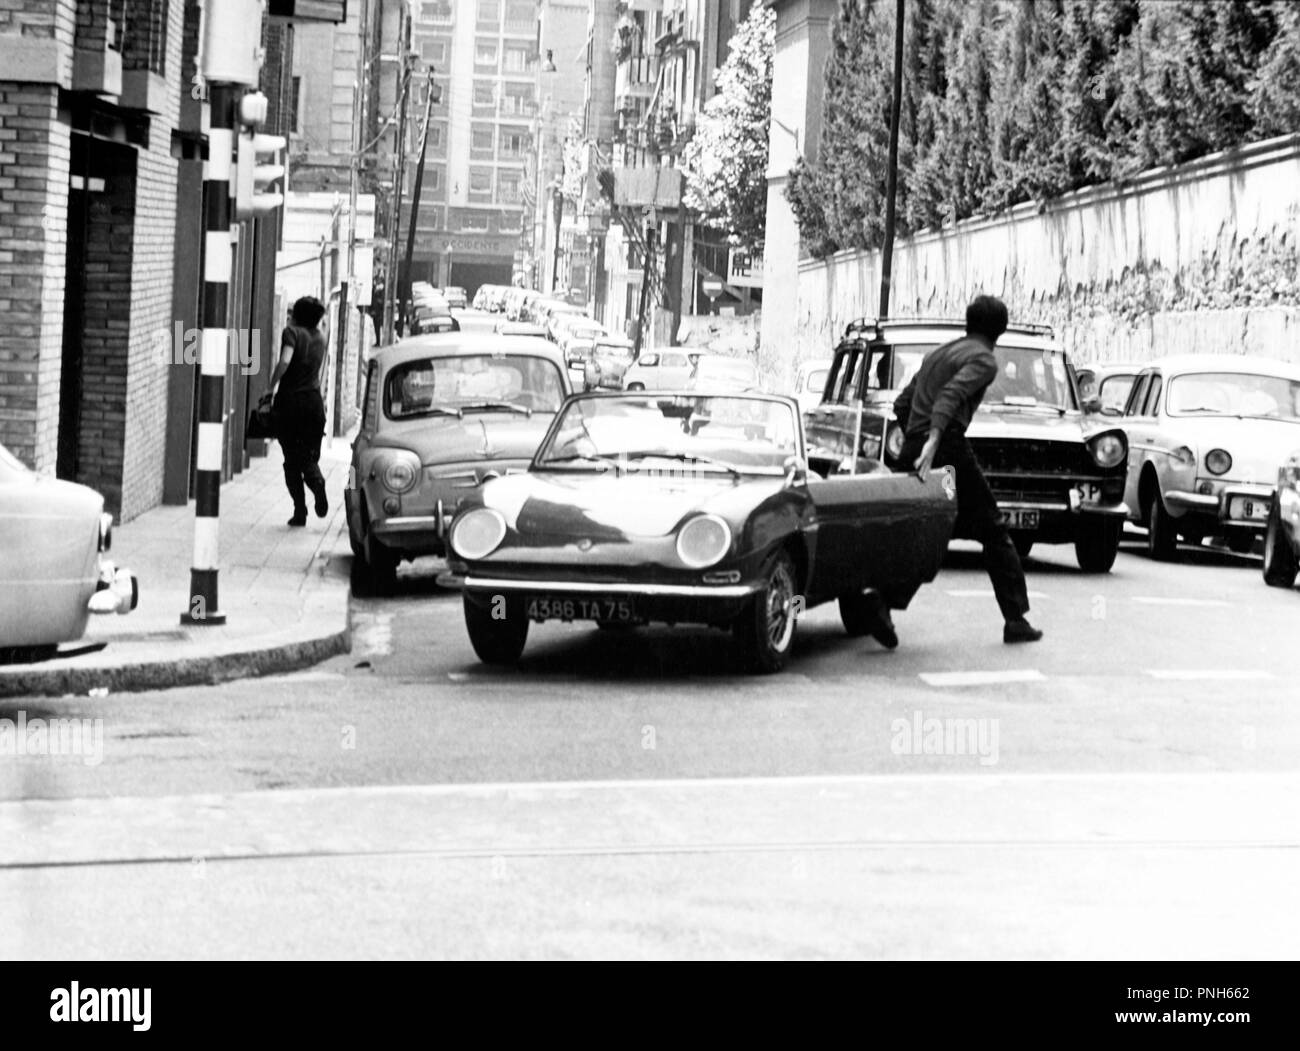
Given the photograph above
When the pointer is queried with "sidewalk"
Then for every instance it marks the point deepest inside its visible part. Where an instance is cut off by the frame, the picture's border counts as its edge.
(284, 593)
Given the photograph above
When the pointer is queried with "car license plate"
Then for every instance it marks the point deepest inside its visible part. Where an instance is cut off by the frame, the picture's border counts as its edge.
(1089, 492)
(569, 607)
(1020, 519)
(1251, 508)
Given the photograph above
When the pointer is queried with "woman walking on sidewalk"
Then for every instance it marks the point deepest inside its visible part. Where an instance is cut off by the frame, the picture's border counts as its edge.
(298, 408)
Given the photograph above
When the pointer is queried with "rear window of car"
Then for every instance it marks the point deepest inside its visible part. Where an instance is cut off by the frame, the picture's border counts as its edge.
(433, 386)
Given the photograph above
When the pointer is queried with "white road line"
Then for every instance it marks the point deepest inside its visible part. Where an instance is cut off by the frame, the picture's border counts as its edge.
(1208, 674)
(981, 678)
(988, 593)
(1157, 600)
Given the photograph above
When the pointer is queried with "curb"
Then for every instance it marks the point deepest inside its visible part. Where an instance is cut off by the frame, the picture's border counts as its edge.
(206, 670)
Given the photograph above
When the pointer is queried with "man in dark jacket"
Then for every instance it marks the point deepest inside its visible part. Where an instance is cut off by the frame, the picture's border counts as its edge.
(934, 410)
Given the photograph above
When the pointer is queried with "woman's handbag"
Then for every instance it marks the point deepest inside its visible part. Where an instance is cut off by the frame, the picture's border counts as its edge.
(261, 421)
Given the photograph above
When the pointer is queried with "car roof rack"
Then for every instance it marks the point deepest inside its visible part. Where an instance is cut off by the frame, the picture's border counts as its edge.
(870, 326)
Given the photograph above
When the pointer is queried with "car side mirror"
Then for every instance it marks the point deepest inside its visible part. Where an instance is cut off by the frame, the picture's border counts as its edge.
(796, 472)
(1092, 405)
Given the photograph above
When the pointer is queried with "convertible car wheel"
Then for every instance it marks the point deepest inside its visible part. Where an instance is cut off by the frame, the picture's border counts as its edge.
(766, 628)
(1097, 545)
(1279, 557)
(1162, 538)
(496, 639)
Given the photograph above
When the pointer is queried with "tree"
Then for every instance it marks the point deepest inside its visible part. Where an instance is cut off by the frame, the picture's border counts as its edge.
(726, 159)
(1274, 91)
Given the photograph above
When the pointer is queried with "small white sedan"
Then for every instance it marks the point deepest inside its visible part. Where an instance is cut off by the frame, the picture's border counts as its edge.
(1207, 434)
(810, 383)
(661, 370)
(53, 574)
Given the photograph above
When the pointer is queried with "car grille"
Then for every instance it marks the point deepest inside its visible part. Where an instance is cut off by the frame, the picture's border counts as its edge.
(1042, 471)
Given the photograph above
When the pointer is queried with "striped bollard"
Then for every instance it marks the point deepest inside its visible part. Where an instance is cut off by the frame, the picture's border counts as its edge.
(217, 264)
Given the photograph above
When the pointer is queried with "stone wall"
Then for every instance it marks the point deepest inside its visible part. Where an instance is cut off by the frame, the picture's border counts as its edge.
(1198, 258)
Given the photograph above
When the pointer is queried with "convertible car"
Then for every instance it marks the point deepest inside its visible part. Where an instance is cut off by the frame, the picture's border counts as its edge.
(1058, 474)
(442, 414)
(686, 508)
(53, 569)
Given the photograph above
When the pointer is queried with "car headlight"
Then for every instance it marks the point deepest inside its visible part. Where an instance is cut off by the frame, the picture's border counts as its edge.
(703, 541)
(1217, 461)
(1108, 449)
(478, 533)
(400, 475)
(894, 442)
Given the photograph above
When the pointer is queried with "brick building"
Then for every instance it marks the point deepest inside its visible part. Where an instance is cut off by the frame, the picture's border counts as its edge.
(100, 246)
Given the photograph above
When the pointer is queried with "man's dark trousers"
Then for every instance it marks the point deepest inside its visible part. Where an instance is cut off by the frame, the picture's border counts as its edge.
(978, 516)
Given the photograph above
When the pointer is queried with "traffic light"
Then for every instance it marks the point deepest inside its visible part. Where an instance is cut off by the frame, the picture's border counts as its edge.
(258, 163)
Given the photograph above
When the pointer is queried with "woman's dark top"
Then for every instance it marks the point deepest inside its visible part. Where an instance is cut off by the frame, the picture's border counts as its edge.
(303, 374)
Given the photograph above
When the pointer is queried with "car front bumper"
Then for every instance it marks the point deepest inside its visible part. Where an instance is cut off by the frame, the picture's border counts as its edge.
(1224, 508)
(588, 600)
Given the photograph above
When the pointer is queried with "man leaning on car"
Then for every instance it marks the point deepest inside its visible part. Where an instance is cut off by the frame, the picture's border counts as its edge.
(935, 409)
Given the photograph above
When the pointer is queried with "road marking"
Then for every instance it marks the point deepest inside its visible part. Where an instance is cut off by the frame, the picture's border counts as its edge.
(1157, 600)
(372, 634)
(988, 593)
(981, 678)
(1209, 674)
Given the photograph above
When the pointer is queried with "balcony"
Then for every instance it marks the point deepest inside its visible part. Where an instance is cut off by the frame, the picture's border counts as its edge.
(634, 78)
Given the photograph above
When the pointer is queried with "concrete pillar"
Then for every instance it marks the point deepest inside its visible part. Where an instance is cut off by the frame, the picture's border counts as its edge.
(803, 39)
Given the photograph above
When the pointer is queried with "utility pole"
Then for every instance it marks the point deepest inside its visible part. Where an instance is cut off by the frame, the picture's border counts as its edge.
(891, 177)
(415, 200)
(558, 208)
(230, 61)
(403, 98)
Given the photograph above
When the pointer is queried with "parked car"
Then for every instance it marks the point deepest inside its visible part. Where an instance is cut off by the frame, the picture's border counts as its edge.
(669, 369)
(441, 415)
(1282, 535)
(719, 372)
(1057, 474)
(520, 328)
(810, 381)
(567, 328)
(472, 320)
(54, 569)
(1105, 388)
(608, 362)
(1208, 433)
(425, 322)
(690, 510)
(455, 297)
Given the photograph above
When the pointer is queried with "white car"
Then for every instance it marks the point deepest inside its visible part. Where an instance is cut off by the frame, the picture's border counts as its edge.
(810, 382)
(660, 370)
(53, 570)
(1207, 434)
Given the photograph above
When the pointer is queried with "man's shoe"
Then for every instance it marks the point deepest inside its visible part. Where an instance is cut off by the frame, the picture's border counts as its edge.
(298, 520)
(322, 505)
(883, 630)
(1020, 631)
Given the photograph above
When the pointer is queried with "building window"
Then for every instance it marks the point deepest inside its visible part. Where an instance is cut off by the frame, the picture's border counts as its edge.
(485, 93)
(520, 15)
(482, 139)
(514, 142)
(436, 135)
(439, 11)
(518, 100)
(508, 187)
(434, 51)
(485, 54)
(516, 59)
(480, 222)
(433, 177)
(489, 12)
(480, 184)
(142, 35)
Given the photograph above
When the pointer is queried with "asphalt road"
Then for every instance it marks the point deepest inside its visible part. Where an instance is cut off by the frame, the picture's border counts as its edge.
(1125, 788)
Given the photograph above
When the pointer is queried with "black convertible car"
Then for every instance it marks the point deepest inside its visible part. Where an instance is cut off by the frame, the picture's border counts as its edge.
(690, 509)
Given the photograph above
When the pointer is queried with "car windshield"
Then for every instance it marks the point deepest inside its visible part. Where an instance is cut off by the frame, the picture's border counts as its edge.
(1234, 394)
(1114, 392)
(11, 469)
(1029, 377)
(727, 434)
(442, 385)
